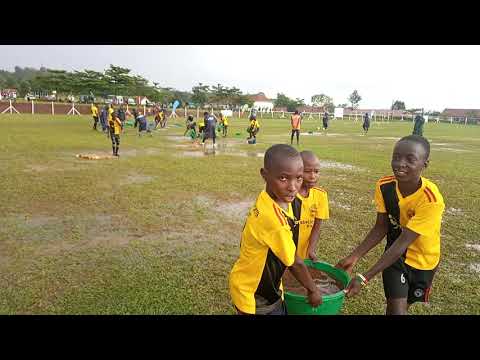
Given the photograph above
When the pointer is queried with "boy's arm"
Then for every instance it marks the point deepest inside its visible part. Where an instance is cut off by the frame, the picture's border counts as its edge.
(376, 234)
(388, 258)
(300, 272)
(313, 240)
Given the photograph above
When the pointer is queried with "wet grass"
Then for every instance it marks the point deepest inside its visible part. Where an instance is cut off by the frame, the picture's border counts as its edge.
(147, 233)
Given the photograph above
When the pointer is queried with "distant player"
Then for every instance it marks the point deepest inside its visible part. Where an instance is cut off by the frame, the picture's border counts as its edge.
(325, 121)
(94, 110)
(366, 123)
(295, 121)
(418, 126)
(253, 129)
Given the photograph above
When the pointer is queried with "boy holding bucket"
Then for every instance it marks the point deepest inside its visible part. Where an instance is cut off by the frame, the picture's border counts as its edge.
(409, 212)
(269, 237)
(313, 204)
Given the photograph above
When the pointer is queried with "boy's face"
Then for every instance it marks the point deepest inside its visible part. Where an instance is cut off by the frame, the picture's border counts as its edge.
(284, 179)
(311, 172)
(408, 161)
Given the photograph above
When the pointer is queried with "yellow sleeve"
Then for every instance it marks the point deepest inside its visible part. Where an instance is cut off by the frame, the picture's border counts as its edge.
(427, 219)
(379, 202)
(322, 206)
(282, 245)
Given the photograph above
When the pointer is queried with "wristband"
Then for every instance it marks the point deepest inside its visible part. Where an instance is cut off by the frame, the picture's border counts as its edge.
(362, 279)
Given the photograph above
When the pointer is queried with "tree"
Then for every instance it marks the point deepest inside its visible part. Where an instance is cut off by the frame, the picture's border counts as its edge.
(119, 78)
(321, 100)
(398, 105)
(284, 101)
(201, 94)
(324, 101)
(354, 99)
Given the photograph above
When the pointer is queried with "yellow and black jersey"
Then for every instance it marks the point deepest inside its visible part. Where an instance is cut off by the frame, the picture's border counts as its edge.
(117, 125)
(420, 212)
(314, 206)
(254, 124)
(267, 247)
(94, 110)
(110, 112)
(225, 121)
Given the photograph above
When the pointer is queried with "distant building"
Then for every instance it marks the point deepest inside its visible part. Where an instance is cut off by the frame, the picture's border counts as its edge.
(462, 115)
(261, 102)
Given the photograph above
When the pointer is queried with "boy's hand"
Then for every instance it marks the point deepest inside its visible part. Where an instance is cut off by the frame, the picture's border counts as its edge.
(347, 263)
(311, 255)
(315, 298)
(353, 288)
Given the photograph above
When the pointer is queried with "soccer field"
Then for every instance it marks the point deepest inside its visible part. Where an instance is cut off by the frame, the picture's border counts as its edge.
(158, 230)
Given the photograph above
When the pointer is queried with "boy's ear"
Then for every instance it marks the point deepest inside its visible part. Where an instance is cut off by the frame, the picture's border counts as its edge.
(426, 163)
(264, 173)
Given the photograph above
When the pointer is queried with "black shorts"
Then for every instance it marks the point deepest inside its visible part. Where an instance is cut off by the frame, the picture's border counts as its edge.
(403, 281)
(296, 131)
(325, 124)
(115, 139)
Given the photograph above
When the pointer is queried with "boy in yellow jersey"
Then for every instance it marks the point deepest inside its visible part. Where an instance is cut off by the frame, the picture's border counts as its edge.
(409, 212)
(94, 110)
(201, 126)
(253, 129)
(110, 112)
(116, 128)
(313, 204)
(224, 122)
(268, 243)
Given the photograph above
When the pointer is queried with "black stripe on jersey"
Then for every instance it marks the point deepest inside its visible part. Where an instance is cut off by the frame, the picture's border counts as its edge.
(393, 211)
(269, 285)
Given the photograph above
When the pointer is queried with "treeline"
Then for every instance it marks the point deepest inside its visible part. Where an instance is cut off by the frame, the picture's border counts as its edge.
(118, 81)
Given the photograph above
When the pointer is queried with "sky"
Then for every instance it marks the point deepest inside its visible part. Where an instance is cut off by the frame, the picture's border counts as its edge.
(432, 77)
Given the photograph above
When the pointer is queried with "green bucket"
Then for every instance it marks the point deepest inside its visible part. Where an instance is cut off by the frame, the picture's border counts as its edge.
(331, 304)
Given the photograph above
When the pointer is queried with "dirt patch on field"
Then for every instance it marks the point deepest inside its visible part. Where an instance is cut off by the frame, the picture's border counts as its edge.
(475, 267)
(452, 150)
(39, 220)
(136, 179)
(191, 153)
(386, 138)
(178, 138)
(340, 205)
(336, 165)
(454, 212)
(316, 133)
(238, 210)
(208, 151)
(473, 247)
(233, 209)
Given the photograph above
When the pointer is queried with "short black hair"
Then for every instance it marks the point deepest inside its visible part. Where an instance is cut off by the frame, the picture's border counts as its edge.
(305, 154)
(205, 113)
(276, 152)
(419, 140)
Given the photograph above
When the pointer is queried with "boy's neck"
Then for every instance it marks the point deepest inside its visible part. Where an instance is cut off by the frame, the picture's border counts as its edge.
(409, 188)
(304, 191)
